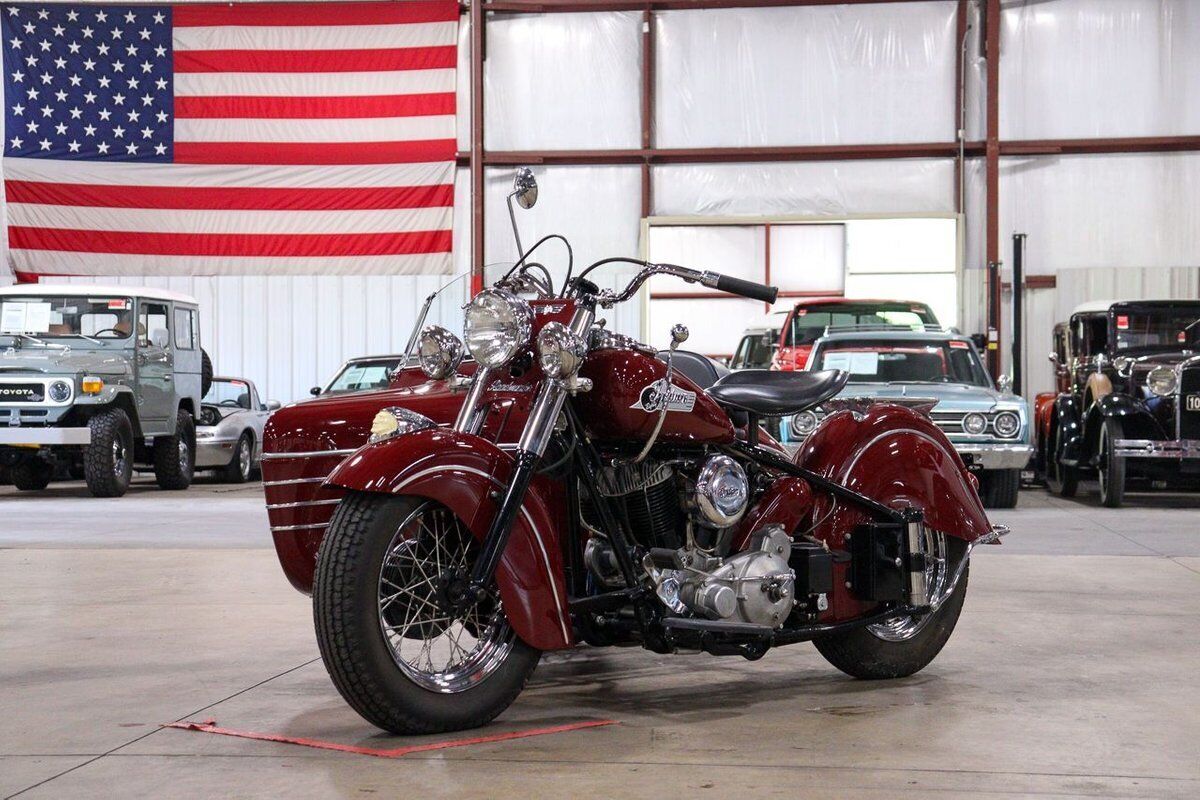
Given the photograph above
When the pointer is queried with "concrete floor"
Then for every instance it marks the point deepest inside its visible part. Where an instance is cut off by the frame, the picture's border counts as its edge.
(1073, 673)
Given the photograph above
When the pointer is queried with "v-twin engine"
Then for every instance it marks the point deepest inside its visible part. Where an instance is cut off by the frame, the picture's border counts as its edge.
(755, 586)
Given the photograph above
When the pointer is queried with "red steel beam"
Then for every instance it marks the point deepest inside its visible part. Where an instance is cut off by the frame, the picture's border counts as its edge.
(478, 154)
(648, 107)
(992, 154)
(960, 89)
(1134, 144)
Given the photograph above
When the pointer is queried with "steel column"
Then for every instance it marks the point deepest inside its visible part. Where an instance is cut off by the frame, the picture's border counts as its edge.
(478, 155)
(992, 154)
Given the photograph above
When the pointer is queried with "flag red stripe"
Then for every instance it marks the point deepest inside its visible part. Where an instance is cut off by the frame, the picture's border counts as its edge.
(311, 245)
(368, 60)
(389, 105)
(272, 14)
(240, 198)
(317, 153)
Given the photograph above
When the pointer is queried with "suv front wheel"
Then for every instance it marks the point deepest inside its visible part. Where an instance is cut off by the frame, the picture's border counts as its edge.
(108, 460)
(175, 456)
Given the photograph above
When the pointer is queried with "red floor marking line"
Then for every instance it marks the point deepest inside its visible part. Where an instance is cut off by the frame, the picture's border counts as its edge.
(209, 726)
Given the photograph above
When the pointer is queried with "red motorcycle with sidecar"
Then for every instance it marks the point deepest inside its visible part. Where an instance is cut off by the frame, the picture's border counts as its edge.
(571, 485)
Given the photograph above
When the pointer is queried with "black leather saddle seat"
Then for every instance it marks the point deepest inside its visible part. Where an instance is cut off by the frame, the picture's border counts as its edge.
(700, 370)
(776, 394)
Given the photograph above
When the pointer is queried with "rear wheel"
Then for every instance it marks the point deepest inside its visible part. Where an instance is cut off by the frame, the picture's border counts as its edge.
(175, 456)
(108, 460)
(1001, 488)
(399, 655)
(1061, 479)
(1112, 467)
(32, 475)
(904, 645)
(240, 467)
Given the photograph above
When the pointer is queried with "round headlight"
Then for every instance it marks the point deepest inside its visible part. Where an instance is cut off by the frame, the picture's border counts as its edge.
(560, 351)
(974, 424)
(498, 324)
(1007, 424)
(1161, 381)
(439, 351)
(59, 391)
(804, 423)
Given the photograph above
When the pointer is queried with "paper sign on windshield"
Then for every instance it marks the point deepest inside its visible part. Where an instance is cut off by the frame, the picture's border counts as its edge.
(25, 318)
(854, 363)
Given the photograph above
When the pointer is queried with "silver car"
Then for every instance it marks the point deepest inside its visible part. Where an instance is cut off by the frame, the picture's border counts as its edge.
(229, 436)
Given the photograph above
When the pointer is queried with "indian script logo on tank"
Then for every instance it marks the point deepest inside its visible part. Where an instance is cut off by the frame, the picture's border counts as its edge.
(653, 397)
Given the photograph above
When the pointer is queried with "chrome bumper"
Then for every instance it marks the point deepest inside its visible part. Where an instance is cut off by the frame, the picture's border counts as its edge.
(214, 452)
(16, 435)
(1151, 448)
(997, 456)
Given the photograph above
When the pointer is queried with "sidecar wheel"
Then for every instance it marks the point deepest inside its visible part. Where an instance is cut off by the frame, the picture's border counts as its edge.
(394, 653)
(903, 646)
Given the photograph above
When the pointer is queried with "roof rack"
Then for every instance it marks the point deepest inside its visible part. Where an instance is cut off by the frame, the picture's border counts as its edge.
(877, 326)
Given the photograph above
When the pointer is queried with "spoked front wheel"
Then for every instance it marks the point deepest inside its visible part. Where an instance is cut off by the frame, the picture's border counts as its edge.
(397, 651)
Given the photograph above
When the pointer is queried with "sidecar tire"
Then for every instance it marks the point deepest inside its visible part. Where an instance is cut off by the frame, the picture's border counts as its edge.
(864, 655)
(352, 644)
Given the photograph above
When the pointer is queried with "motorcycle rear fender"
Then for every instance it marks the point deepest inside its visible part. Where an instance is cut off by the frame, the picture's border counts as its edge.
(466, 474)
(897, 457)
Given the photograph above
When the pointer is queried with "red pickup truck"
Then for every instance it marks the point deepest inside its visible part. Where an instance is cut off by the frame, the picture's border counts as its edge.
(809, 318)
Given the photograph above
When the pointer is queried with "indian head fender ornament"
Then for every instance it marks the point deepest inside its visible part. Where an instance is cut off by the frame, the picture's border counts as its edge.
(654, 396)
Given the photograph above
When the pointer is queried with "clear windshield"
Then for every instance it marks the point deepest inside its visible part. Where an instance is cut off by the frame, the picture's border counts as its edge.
(809, 322)
(49, 316)
(1168, 328)
(904, 362)
(363, 375)
(228, 394)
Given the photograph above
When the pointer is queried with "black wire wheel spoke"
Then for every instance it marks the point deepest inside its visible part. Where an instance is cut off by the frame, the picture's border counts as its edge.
(437, 646)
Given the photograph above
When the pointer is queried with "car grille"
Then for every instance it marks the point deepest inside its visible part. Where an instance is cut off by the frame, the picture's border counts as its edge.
(23, 392)
(948, 421)
(1189, 420)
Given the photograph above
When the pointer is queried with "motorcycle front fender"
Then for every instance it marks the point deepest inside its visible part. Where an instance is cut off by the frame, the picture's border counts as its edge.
(897, 457)
(467, 474)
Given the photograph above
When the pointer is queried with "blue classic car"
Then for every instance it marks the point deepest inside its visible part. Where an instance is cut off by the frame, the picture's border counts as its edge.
(989, 426)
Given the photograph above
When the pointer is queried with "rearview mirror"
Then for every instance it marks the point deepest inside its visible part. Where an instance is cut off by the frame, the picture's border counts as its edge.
(525, 188)
(274, 405)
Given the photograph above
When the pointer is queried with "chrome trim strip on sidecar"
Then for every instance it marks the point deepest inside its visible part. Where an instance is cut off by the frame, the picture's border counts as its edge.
(299, 527)
(307, 454)
(294, 481)
(273, 506)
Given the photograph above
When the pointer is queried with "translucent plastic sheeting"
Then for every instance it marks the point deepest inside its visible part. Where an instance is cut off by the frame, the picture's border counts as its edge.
(715, 324)
(737, 250)
(563, 81)
(907, 246)
(879, 73)
(808, 258)
(1102, 210)
(1089, 68)
(811, 188)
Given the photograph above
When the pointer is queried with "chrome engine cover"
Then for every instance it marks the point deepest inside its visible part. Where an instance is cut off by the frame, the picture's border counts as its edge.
(755, 586)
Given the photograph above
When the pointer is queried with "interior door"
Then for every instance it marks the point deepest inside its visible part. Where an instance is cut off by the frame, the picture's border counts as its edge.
(156, 369)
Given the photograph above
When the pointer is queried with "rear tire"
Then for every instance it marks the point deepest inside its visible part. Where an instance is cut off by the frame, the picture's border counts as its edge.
(241, 466)
(175, 456)
(1112, 467)
(32, 475)
(108, 460)
(877, 652)
(1001, 487)
(364, 549)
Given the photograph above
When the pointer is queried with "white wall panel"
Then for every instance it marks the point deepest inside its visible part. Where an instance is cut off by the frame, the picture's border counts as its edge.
(563, 81)
(1092, 68)
(806, 75)
(812, 188)
(808, 258)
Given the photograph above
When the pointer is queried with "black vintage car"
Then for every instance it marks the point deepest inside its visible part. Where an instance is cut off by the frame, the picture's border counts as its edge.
(1132, 413)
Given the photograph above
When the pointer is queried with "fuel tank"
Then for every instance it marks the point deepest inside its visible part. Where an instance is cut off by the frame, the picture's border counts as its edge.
(626, 397)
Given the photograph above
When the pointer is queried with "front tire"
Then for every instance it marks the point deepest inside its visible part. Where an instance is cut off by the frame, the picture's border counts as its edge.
(108, 460)
(394, 653)
(1001, 488)
(1112, 467)
(32, 475)
(175, 456)
(240, 467)
(905, 645)
(1061, 479)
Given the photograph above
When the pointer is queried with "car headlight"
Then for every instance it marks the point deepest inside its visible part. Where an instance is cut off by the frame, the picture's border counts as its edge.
(439, 351)
(393, 421)
(92, 385)
(974, 423)
(498, 324)
(1161, 381)
(804, 423)
(1007, 424)
(560, 351)
(59, 391)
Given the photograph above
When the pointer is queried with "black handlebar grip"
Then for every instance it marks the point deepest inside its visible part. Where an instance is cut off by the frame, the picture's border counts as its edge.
(750, 289)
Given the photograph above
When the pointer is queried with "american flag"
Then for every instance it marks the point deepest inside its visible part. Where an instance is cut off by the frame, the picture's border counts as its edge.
(276, 138)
